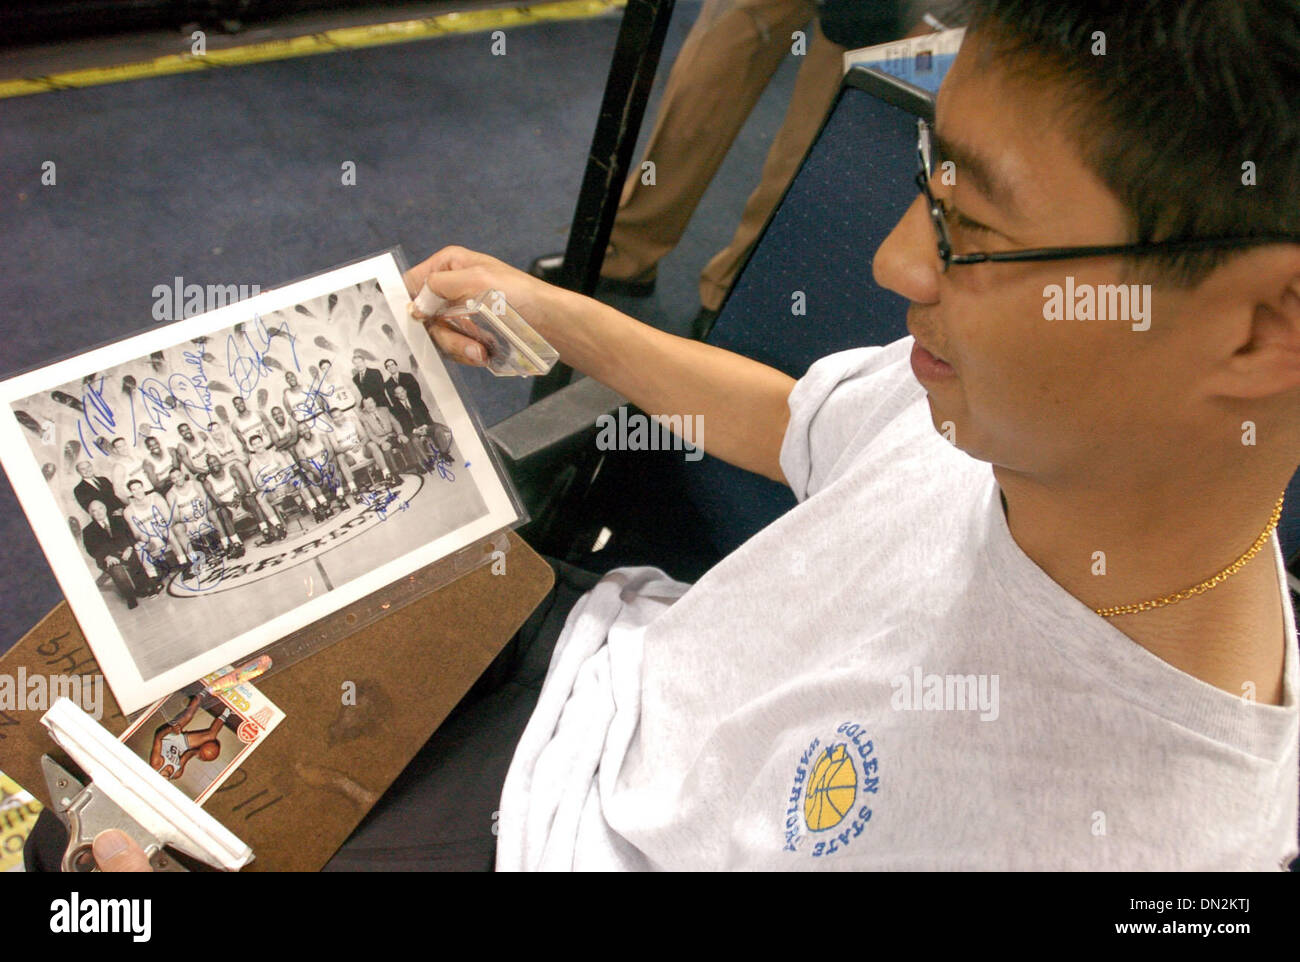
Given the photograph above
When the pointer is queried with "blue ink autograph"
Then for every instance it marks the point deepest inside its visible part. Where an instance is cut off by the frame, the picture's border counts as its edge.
(198, 382)
(154, 395)
(158, 528)
(318, 474)
(248, 369)
(205, 574)
(190, 394)
(442, 464)
(380, 500)
(313, 407)
(96, 414)
(153, 400)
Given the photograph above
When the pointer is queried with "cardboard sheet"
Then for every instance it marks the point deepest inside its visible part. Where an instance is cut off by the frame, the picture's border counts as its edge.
(299, 797)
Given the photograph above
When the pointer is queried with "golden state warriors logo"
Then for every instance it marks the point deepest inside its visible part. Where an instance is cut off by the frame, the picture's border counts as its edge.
(832, 788)
(828, 799)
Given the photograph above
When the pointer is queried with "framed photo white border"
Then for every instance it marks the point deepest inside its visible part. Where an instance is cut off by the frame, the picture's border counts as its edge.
(64, 552)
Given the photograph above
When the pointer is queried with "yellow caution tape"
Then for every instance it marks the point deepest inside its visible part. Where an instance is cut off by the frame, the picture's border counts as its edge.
(329, 41)
(18, 812)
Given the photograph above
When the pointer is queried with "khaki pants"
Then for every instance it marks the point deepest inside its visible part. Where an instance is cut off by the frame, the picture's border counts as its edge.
(725, 64)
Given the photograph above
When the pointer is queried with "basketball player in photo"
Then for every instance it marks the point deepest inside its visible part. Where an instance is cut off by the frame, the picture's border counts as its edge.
(276, 476)
(157, 465)
(223, 497)
(125, 468)
(246, 423)
(231, 454)
(353, 448)
(191, 450)
(321, 467)
(269, 470)
(283, 432)
(300, 405)
(149, 519)
(188, 503)
(174, 748)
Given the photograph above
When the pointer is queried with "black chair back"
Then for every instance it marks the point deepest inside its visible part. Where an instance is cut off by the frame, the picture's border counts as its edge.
(806, 290)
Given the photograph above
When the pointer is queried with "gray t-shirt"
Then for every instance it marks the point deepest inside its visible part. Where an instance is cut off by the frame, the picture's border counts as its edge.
(882, 679)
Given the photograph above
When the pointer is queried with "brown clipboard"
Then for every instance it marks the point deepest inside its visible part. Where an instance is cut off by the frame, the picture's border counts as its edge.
(299, 796)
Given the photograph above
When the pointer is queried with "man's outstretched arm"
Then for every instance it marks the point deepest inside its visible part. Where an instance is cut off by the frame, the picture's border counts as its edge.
(186, 715)
(743, 404)
(196, 738)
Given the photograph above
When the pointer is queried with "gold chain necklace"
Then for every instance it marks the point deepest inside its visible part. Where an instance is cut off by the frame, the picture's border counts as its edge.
(1206, 585)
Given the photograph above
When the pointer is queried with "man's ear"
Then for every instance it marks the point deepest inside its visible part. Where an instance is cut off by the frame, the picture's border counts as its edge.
(1267, 362)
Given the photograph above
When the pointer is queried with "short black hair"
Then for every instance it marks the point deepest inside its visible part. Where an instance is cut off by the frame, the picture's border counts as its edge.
(134, 481)
(1185, 95)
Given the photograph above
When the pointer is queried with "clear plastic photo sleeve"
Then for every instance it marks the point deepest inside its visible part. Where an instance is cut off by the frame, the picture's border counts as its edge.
(266, 477)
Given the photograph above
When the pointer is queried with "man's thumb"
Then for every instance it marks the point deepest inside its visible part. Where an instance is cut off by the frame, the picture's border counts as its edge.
(115, 851)
(441, 287)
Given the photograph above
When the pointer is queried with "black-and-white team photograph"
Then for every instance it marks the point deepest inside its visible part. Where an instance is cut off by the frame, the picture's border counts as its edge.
(219, 491)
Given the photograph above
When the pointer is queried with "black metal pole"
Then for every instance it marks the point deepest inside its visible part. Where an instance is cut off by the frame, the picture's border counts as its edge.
(627, 90)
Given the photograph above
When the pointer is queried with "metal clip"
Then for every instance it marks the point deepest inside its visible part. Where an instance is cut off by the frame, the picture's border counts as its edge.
(122, 791)
(86, 811)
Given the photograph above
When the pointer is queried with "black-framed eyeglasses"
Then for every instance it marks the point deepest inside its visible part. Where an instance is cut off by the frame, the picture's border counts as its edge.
(939, 217)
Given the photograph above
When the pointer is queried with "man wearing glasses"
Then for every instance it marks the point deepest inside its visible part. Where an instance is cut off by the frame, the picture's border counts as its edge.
(1030, 611)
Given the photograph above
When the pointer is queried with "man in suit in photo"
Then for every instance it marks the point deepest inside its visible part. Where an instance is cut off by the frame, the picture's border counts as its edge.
(385, 433)
(395, 380)
(369, 382)
(427, 435)
(93, 487)
(109, 541)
